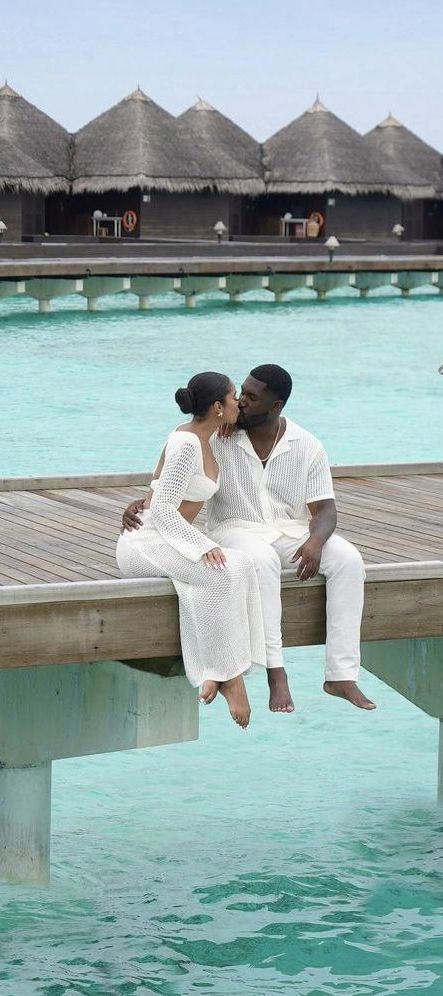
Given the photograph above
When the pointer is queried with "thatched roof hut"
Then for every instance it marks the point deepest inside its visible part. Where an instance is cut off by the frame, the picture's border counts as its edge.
(136, 143)
(229, 158)
(34, 149)
(319, 153)
(392, 139)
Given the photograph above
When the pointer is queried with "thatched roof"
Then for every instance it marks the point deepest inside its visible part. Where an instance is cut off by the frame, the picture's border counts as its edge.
(318, 153)
(392, 139)
(34, 149)
(135, 144)
(229, 158)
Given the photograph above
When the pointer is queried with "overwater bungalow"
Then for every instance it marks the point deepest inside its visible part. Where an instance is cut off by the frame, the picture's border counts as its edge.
(319, 166)
(230, 162)
(423, 217)
(34, 162)
(136, 171)
(123, 160)
(151, 175)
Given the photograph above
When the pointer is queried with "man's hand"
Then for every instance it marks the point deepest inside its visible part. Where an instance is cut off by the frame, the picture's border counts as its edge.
(130, 518)
(215, 558)
(309, 555)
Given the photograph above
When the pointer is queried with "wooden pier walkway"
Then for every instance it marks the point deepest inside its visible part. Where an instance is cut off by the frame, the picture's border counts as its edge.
(57, 548)
(65, 529)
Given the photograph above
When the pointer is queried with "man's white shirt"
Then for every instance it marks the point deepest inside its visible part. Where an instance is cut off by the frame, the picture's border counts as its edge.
(271, 501)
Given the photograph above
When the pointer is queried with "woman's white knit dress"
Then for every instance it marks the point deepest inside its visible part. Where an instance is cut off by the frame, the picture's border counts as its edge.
(221, 624)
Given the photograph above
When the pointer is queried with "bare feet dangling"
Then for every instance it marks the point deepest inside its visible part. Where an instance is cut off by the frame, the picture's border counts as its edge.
(235, 694)
(208, 692)
(350, 691)
(280, 697)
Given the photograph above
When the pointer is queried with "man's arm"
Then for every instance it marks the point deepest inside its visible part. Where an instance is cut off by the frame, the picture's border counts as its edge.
(322, 525)
(130, 516)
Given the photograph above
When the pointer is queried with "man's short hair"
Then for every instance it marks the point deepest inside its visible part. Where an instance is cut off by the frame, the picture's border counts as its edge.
(276, 379)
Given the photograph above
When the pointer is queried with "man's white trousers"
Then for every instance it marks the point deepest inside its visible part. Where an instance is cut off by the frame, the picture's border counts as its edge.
(341, 565)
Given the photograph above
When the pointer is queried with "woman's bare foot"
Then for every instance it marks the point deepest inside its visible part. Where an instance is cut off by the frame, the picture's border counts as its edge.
(208, 692)
(235, 694)
(280, 697)
(350, 691)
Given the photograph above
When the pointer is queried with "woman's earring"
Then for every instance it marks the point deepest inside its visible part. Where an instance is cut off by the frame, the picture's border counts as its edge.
(219, 414)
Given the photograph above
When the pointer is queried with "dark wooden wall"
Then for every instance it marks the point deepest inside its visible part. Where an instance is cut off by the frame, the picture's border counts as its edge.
(33, 214)
(261, 215)
(72, 214)
(184, 215)
(11, 214)
(370, 217)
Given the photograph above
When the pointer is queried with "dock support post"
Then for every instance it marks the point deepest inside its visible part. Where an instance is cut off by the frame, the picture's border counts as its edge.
(92, 303)
(44, 306)
(25, 823)
(144, 302)
(191, 300)
(440, 764)
(70, 710)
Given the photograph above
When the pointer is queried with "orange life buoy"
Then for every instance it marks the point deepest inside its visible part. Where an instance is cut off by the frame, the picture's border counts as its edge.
(129, 220)
(316, 216)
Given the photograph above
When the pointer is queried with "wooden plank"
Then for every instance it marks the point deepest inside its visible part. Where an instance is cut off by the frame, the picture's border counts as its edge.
(129, 479)
(41, 567)
(113, 629)
(73, 481)
(41, 523)
(71, 534)
(60, 564)
(385, 469)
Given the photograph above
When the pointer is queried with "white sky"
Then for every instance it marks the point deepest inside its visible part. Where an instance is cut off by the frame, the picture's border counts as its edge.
(260, 62)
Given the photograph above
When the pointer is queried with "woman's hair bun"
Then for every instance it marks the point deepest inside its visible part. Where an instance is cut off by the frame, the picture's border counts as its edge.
(184, 400)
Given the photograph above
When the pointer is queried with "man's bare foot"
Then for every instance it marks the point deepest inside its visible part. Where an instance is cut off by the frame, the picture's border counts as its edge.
(235, 694)
(349, 690)
(208, 692)
(280, 697)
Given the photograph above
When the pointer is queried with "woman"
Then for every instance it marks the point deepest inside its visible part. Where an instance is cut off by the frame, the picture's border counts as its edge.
(220, 613)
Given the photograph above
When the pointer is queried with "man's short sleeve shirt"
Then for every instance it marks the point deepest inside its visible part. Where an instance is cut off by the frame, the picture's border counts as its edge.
(272, 500)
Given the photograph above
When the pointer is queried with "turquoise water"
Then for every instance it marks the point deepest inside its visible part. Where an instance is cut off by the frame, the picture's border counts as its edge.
(305, 856)
(95, 392)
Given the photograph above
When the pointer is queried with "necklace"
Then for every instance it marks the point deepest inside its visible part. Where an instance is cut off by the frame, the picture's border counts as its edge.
(266, 458)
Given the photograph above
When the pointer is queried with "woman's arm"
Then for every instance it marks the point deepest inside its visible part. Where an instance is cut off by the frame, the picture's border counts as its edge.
(181, 463)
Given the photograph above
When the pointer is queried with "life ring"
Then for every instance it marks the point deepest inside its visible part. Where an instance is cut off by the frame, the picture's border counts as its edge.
(316, 216)
(129, 220)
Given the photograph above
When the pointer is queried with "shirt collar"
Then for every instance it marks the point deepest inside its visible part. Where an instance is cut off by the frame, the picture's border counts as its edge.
(292, 432)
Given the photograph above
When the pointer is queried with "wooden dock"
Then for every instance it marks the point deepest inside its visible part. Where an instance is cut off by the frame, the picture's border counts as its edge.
(57, 547)
(69, 625)
(231, 271)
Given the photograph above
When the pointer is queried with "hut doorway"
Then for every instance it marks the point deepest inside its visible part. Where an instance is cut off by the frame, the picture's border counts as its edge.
(73, 215)
(262, 216)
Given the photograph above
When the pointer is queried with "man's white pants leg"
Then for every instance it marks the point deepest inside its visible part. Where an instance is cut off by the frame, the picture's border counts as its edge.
(341, 565)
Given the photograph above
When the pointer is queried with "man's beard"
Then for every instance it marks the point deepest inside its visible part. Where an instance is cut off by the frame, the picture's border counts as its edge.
(243, 422)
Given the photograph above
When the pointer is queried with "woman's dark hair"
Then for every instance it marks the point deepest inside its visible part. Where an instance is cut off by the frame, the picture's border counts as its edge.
(202, 391)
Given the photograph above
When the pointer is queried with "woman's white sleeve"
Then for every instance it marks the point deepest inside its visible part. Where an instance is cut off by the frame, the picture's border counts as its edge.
(179, 467)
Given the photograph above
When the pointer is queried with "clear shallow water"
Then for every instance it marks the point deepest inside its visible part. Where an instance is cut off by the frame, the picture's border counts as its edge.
(305, 856)
(95, 392)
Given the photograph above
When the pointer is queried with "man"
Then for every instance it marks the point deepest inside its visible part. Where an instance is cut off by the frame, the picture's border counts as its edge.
(276, 503)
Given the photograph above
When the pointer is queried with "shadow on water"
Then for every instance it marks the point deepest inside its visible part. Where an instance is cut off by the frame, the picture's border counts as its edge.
(72, 310)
